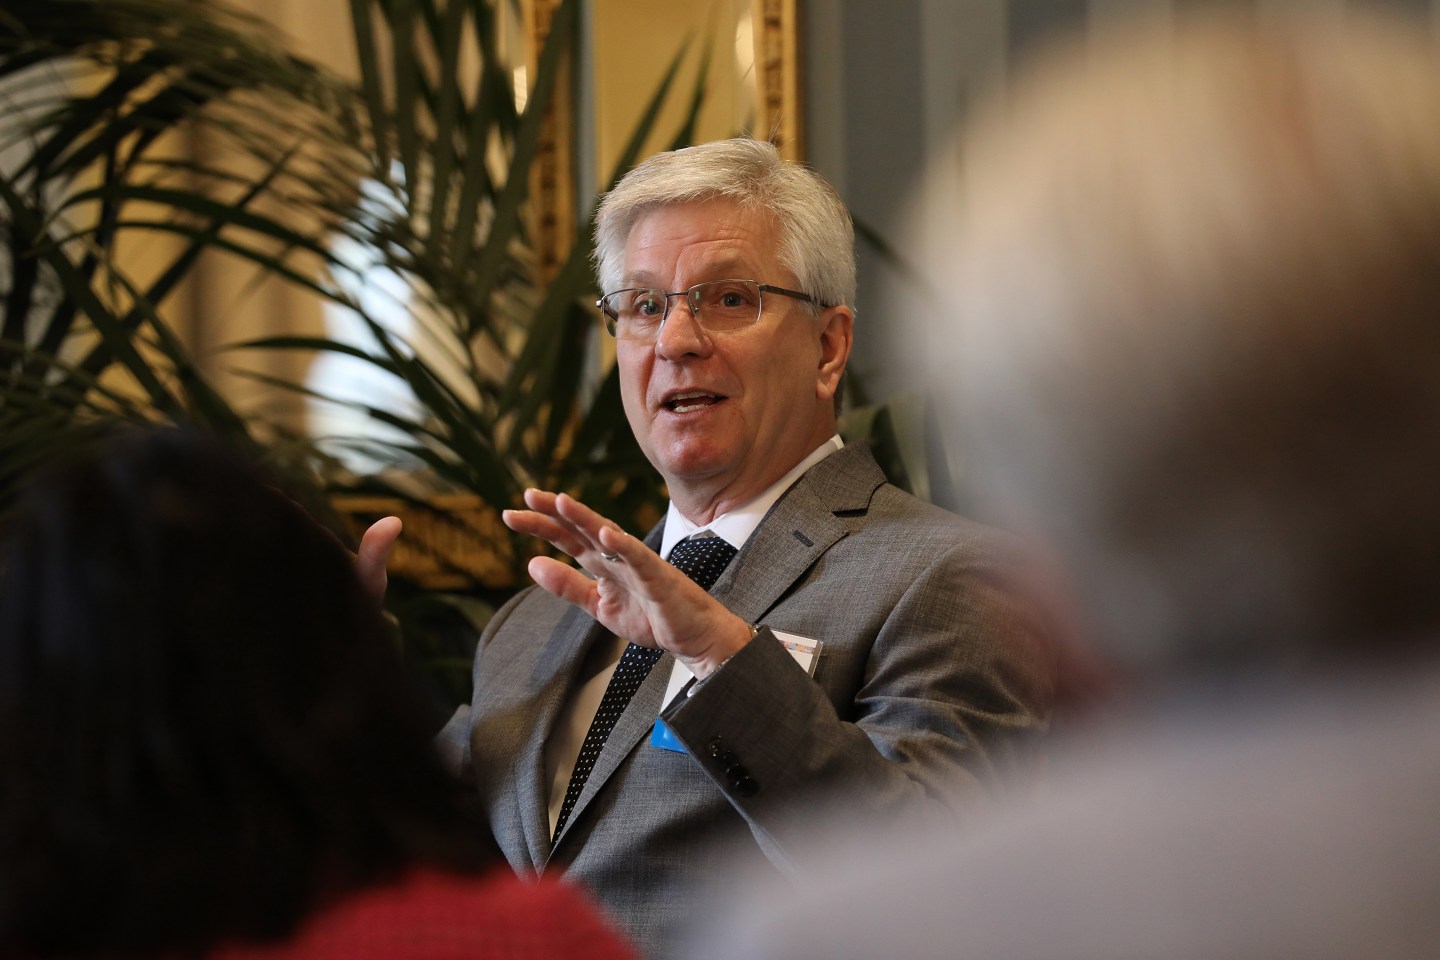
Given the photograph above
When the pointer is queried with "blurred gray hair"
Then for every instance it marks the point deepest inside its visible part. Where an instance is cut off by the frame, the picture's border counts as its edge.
(817, 239)
(1196, 328)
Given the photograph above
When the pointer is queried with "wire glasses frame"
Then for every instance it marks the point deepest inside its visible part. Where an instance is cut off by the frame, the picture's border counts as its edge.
(638, 313)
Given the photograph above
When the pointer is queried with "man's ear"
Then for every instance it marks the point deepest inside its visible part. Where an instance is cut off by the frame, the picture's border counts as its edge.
(837, 335)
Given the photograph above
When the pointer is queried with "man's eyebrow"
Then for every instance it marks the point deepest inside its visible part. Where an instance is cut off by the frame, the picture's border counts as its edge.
(638, 280)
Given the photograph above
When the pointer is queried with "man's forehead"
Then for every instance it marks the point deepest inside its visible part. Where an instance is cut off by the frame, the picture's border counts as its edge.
(704, 240)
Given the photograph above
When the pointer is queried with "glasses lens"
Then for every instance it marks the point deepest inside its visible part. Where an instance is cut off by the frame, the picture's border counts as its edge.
(634, 314)
(726, 304)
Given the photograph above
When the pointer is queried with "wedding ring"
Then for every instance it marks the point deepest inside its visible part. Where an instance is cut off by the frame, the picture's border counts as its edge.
(612, 557)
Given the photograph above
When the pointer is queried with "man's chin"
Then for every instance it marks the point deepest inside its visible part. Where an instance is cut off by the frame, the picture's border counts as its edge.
(694, 466)
(691, 472)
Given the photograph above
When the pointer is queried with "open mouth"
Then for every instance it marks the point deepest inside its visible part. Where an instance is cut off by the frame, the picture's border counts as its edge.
(693, 400)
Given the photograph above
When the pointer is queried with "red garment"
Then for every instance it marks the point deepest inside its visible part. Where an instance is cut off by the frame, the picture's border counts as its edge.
(437, 916)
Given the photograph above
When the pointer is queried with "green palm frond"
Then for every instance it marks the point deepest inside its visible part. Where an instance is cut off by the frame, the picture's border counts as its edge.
(453, 228)
(95, 94)
(419, 169)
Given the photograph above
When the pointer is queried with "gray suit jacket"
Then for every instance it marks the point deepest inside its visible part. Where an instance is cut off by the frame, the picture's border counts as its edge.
(932, 676)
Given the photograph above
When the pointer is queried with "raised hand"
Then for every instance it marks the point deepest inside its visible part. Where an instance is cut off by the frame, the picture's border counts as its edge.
(634, 593)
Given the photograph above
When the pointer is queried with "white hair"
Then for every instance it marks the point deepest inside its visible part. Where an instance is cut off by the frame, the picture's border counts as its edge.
(817, 239)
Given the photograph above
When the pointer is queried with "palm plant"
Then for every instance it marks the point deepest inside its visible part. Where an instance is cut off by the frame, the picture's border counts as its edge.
(82, 340)
(401, 165)
(423, 166)
(509, 394)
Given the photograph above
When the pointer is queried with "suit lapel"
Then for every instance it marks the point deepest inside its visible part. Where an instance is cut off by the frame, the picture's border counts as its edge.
(570, 640)
(797, 531)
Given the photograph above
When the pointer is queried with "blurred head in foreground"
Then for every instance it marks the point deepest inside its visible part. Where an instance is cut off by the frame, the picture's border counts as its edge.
(204, 731)
(1192, 324)
(1193, 329)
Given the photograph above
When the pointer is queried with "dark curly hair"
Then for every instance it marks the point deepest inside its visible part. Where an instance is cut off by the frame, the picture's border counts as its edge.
(205, 730)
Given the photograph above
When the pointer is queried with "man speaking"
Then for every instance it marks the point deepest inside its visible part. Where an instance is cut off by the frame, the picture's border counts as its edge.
(796, 638)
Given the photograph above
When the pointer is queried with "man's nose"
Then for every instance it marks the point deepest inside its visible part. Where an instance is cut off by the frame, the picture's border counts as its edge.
(681, 334)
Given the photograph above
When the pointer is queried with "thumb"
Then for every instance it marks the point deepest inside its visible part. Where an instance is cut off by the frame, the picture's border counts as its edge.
(374, 551)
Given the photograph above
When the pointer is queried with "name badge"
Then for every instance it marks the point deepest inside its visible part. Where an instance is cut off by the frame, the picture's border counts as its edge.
(803, 650)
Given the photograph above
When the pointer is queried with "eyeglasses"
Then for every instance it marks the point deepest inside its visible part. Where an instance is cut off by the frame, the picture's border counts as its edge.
(718, 306)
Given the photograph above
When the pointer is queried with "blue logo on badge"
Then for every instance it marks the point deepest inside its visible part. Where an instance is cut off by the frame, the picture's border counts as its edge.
(664, 738)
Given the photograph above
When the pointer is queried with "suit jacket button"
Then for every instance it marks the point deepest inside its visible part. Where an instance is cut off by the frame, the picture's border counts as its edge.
(745, 786)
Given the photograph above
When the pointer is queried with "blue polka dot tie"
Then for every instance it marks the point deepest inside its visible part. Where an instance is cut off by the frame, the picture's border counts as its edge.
(702, 559)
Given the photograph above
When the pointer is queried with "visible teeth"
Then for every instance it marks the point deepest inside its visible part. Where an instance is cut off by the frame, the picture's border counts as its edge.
(677, 403)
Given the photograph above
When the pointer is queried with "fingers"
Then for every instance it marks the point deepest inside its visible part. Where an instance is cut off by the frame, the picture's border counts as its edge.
(565, 582)
(602, 534)
(546, 528)
(565, 523)
(542, 501)
(628, 551)
(584, 521)
(374, 552)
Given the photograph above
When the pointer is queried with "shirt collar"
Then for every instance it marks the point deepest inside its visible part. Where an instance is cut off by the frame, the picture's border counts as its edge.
(737, 525)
